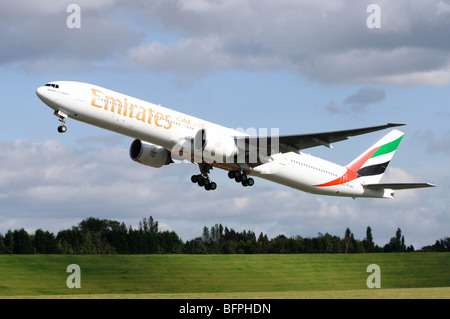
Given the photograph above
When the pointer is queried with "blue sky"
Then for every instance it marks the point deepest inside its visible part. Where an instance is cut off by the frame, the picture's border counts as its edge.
(299, 66)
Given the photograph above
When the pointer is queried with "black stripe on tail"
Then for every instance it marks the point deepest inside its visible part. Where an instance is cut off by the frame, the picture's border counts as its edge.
(376, 169)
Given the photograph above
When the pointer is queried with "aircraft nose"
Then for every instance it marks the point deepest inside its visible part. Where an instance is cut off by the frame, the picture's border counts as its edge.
(46, 96)
(40, 92)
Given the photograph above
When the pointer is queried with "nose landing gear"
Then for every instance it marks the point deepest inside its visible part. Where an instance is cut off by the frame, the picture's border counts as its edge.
(62, 118)
(62, 129)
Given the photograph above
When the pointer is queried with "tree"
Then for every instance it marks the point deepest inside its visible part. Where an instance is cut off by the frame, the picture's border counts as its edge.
(148, 225)
(368, 243)
(205, 235)
(263, 244)
(440, 245)
(9, 242)
(195, 246)
(93, 225)
(70, 240)
(351, 245)
(397, 243)
(152, 225)
(44, 242)
(170, 243)
(2, 245)
(347, 239)
(96, 225)
(118, 238)
(279, 245)
(328, 243)
(22, 242)
(216, 234)
(444, 244)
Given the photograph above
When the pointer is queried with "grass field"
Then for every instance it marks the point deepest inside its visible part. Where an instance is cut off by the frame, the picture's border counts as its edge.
(407, 275)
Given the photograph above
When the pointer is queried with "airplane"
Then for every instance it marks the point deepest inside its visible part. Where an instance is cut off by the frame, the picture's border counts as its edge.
(163, 136)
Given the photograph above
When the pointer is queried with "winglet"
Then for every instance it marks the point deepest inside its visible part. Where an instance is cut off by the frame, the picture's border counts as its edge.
(396, 124)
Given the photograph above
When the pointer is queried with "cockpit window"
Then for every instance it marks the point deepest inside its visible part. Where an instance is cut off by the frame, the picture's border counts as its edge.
(56, 86)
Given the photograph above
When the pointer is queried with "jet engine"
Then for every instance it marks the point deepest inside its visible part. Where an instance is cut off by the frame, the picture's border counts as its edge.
(214, 146)
(149, 154)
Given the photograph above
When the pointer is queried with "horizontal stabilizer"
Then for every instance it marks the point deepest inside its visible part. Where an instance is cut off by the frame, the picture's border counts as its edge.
(398, 185)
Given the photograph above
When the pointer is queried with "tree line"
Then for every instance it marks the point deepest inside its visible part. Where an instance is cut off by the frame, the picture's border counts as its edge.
(94, 236)
(103, 236)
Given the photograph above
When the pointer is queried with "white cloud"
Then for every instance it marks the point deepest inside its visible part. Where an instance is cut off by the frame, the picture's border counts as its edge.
(442, 8)
(35, 35)
(358, 102)
(326, 42)
(189, 55)
(52, 186)
(431, 78)
(436, 144)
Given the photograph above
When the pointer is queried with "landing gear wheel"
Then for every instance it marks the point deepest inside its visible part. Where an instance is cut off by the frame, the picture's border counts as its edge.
(62, 129)
(203, 179)
(248, 182)
(241, 177)
(210, 186)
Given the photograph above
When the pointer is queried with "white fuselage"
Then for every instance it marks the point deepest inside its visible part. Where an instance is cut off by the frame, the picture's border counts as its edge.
(155, 124)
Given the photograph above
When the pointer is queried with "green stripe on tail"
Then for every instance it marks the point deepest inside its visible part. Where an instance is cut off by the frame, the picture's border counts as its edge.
(387, 148)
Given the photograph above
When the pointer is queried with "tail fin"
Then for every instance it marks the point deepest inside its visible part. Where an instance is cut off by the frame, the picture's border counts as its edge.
(371, 164)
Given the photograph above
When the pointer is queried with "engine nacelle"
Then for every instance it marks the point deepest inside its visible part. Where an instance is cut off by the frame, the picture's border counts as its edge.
(149, 154)
(214, 146)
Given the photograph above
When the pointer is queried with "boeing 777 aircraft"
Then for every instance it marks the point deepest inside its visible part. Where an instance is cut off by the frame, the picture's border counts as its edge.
(163, 135)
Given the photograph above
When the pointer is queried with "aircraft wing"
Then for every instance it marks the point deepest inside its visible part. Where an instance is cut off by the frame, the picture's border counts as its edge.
(295, 143)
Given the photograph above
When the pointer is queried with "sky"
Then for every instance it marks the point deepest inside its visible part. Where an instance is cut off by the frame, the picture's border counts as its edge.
(297, 66)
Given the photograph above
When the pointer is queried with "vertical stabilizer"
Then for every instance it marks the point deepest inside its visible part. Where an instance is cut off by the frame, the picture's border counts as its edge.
(371, 164)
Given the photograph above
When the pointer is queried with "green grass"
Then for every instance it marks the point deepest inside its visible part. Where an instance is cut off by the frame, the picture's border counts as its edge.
(226, 276)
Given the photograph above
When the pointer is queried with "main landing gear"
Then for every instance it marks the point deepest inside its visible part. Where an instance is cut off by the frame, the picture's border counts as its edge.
(62, 118)
(203, 179)
(241, 177)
